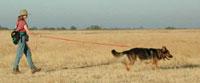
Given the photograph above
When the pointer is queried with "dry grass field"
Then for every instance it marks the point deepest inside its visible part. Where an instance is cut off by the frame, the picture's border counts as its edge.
(81, 62)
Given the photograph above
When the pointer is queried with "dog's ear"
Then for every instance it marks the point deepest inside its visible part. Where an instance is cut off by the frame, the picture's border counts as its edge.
(164, 48)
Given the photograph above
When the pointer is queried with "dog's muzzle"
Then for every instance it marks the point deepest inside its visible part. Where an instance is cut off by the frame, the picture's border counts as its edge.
(170, 56)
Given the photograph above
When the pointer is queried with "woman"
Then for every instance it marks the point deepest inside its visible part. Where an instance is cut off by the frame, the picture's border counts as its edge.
(22, 28)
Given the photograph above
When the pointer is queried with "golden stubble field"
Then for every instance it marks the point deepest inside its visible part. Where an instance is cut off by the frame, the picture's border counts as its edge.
(80, 62)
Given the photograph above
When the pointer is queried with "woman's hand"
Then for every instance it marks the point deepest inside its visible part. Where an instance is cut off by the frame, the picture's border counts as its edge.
(29, 32)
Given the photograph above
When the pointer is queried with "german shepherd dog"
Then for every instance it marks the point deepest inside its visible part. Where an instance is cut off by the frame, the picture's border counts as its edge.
(144, 54)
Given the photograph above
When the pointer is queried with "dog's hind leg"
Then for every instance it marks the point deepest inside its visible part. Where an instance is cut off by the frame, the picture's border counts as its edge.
(131, 62)
(127, 65)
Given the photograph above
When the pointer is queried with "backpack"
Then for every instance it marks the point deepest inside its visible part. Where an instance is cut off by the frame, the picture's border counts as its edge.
(15, 35)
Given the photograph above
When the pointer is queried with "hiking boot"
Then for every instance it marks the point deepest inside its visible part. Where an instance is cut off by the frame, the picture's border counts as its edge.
(16, 71)
(35, 70)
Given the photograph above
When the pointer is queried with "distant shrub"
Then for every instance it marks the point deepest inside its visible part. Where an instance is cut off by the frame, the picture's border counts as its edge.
(60, 28)
(33, 28)
(94, 27)
(73, 28)
(48, 28)
(170, 27)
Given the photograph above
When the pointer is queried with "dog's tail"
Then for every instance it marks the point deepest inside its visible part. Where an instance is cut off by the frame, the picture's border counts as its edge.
(116, 54)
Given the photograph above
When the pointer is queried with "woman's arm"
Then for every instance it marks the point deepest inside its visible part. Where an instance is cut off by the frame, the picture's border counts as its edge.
(27, 31)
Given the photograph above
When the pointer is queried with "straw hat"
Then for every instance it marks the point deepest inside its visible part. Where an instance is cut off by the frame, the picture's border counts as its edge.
(23, 12)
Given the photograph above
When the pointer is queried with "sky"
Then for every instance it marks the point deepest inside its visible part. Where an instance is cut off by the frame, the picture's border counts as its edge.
(105, 13)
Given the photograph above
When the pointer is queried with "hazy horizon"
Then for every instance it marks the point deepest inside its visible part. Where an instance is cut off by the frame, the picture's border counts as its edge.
(105, 13)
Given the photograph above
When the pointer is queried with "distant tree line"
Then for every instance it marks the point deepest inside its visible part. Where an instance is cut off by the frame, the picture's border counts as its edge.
(97, 27)
(54, 28)
(93, 27)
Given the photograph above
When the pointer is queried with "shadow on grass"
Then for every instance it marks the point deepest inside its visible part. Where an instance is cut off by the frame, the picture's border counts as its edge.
(81, 67)
(89, 66)
(185, 66)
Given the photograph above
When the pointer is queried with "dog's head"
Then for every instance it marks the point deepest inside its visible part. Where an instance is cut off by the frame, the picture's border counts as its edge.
(165, 53)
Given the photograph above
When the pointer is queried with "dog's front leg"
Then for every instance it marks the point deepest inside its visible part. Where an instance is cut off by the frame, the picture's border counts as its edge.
(155, 62)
